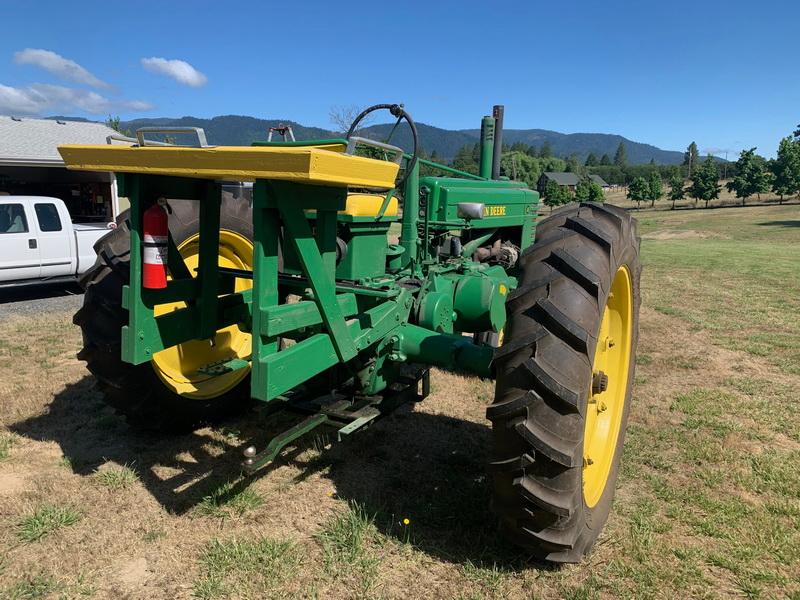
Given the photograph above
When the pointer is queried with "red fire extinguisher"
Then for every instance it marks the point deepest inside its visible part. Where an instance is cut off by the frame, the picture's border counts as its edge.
(156, 232)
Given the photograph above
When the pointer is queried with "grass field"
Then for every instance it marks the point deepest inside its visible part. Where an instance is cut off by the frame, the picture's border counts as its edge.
(708, 502)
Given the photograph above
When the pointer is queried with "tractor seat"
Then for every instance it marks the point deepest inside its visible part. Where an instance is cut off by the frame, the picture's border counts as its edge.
(368, 205)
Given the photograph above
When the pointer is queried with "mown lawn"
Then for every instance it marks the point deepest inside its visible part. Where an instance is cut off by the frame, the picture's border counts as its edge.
(732, 272)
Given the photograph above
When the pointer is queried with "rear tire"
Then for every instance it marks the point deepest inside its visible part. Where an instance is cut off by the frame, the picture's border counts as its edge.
(545, 381)
(136, 391)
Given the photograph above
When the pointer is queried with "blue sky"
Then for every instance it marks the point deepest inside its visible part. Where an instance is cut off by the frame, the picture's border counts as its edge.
(725, 74)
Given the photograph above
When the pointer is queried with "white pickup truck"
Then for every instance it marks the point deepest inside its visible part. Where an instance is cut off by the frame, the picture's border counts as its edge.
(39, 242)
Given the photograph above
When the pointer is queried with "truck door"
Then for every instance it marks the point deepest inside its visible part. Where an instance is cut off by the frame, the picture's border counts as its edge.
(19, 248)
(56, 241)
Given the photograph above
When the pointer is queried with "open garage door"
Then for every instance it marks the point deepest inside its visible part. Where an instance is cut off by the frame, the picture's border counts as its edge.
(90, 197)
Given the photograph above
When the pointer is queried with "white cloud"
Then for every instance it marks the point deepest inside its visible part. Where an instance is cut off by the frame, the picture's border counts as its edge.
(59, 66)
(16, 101)
(41, 97)
(179, 70)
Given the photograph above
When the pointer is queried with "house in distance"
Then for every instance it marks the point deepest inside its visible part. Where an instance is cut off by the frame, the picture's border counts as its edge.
(567, 180)
(30, 165)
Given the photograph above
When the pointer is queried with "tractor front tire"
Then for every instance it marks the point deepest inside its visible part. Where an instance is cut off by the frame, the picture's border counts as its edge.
(564, 378)
(137, 391)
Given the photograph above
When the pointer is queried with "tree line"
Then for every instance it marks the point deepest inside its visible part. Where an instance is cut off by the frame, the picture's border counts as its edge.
(529, 162)
(750, 175)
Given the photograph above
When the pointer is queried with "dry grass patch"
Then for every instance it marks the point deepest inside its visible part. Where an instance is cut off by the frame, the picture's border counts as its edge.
(6, 442)
(32, 587)
(35, 586)
(228, 500)
(245, 567)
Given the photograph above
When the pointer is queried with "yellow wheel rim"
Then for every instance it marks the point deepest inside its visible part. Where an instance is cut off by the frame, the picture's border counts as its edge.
(605, 409)
(178, 366)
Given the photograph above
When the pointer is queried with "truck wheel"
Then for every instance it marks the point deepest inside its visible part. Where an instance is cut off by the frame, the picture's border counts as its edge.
(168, 393)
(564, 378)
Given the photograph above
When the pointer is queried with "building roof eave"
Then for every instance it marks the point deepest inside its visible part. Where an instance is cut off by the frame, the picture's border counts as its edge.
(30, 162)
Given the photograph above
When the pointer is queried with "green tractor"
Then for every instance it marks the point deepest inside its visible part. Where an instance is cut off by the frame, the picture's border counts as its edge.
(344, 278)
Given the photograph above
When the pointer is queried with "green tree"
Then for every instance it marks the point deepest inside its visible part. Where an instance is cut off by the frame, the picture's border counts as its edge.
(786, 168)
(621, 155)
(639, 190)
(676, 190)
(705, 181)
(425, 170)
(521, 166)
(467, 157)
(574, 165)
(655, 187)
(546, 151)
(690, 158)
(751, 177)
(588, 191)
(555, 195)
(583, 190)
(115, 124)
(605, 160)
(596, 193)
(591, 160)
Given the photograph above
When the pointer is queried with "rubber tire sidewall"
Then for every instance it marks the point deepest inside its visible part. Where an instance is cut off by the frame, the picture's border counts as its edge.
(530, 497)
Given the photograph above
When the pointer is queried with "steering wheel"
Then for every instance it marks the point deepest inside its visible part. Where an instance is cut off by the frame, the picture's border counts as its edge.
(398, 111)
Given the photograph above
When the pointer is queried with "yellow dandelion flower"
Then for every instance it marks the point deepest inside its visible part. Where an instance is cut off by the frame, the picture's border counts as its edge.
(406, 521)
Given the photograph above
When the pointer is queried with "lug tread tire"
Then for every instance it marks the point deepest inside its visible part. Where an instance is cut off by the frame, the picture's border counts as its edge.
(544, 373)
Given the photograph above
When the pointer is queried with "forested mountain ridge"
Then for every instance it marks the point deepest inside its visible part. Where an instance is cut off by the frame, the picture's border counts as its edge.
(564, 144)
(242, 130)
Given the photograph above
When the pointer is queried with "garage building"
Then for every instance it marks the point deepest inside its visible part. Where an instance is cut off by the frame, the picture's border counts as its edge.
(30, 165)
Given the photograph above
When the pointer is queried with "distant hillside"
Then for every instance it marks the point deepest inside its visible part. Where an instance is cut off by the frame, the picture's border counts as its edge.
(445, 142)
(564, 144)
(239, 130)
(230, 130)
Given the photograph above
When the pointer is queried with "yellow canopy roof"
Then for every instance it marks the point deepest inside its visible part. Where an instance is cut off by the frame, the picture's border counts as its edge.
(305, 164)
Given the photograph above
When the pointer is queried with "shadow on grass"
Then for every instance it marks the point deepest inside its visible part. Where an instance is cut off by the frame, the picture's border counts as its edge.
(429, 469)
(39, 291)
(178, 470)
(716, 206)
(795, 223)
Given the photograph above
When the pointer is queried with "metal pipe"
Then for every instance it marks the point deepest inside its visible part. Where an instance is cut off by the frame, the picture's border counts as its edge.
(446, 169)
(487, 146)
(448, 351)
(497, 113)
(408, 227)
(470, 247)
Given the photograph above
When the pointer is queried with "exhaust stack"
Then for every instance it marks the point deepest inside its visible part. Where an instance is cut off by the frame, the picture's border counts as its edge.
(497, 113)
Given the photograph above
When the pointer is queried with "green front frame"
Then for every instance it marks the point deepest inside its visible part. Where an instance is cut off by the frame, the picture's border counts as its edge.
(336, 321)
(278, 213)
